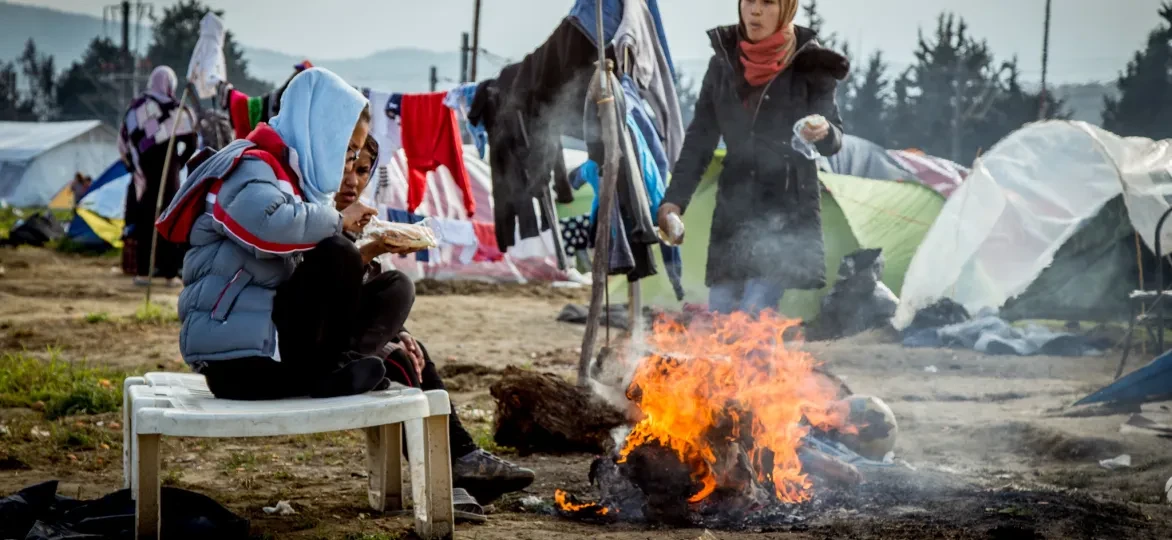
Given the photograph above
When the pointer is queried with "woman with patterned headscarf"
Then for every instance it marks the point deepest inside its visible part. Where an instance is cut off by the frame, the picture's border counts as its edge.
(766, 75)
(146, 131)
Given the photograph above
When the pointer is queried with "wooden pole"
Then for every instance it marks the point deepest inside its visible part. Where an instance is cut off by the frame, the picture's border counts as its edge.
(607, 115)
(1042, 107)
(159, 200)
(475, 41)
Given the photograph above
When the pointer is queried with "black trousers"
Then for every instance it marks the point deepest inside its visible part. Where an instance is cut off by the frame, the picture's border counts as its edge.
(322, 314)
(141, 213)
(317, 315)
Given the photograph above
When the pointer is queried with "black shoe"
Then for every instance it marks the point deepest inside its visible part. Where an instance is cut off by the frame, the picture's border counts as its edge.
(487, 477)
(354, 377)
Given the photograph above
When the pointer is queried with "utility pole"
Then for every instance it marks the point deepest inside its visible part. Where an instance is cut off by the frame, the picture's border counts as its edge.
(475, 40)
(464, 58)
(434, 79)
(127, 58)
(1044, 105)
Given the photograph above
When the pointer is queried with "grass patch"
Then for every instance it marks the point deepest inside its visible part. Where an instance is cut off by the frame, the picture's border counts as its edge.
(241, 460)
(483, 438)
(96, 318)
(57, 387)
(158, 314)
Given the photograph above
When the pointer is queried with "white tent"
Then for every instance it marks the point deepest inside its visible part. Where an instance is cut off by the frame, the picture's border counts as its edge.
(39, 159)
(1025, 199)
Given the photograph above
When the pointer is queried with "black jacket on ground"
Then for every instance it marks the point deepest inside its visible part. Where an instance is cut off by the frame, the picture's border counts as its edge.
(767, 223)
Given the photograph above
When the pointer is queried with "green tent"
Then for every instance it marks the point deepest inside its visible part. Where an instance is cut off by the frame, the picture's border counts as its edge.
(856, 213)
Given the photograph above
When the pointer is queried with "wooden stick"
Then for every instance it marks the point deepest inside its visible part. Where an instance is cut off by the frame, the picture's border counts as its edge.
(604, 97)
(829, 468)
(159, 199)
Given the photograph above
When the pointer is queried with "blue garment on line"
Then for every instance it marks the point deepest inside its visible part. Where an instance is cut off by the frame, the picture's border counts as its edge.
(640, 121)
(583, 15)
(460, 99)
(403, 216)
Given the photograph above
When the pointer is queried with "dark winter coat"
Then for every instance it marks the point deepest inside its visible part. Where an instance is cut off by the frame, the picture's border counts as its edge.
(767, 223)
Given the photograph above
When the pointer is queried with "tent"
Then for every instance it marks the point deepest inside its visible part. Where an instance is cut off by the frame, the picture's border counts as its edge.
(1048, 225)
(865, 159)
(98, 222)
(856, 213)
(39, 159)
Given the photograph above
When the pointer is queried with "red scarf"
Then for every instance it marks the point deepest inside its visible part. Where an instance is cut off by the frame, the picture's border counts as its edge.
(766, 58)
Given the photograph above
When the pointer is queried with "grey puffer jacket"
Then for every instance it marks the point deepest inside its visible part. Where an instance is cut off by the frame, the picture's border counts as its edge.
(247, 223)
(767, 222)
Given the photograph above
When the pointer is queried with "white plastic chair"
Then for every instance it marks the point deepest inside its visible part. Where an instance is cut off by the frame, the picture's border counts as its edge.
(180, 405)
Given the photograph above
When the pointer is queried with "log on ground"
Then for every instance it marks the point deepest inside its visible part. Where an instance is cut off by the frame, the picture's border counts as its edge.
(541, 412)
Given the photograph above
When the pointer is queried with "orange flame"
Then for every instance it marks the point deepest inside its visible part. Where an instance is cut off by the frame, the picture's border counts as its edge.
(563, 502)
(698, 379)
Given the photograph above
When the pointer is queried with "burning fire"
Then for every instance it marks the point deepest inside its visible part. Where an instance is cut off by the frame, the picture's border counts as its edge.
(563, 502)
(731, 384)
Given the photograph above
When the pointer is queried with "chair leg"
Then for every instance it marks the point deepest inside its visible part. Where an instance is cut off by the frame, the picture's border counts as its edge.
(147, 510)
(127, 439)
(439, 479)
(384, 458)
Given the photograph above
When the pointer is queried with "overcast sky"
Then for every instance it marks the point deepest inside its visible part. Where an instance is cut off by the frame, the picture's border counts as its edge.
(1090, 39)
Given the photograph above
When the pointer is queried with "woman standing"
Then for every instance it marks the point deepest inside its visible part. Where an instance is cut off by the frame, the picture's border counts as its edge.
(144, 137)
(766, 75)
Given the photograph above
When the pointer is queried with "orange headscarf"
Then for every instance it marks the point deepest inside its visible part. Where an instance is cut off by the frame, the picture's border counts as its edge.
(766, 58)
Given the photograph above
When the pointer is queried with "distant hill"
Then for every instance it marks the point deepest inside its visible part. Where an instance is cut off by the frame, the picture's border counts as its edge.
(66, 35)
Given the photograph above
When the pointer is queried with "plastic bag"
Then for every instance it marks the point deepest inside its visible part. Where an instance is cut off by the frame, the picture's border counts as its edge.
(675, 230)
(401, 235)
(800, 144)
(859, 300)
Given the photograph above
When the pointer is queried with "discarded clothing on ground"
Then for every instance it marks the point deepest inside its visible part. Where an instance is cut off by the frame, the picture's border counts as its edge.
(614, 315)
(990, 334)
(39, 513)
(859, 300)
(943, 313)
(38, 230)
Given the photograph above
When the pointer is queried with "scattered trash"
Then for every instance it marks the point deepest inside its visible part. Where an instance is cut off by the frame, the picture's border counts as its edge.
(1119, 462)
(859, 301)
(104, 446)
(3, 430)
(39, 433)
(533, 503)
(1168, 490)
(931, 369)
(283, 508)
(706, 536)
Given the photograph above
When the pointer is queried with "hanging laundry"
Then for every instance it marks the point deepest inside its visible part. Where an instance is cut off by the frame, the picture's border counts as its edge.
(385, 123)
(430, 139)
(637, 108)
(486, 250)
(584, 15)
(460, 99)
(638, 38)
(575, 234)
(457, 233)
(402, 216)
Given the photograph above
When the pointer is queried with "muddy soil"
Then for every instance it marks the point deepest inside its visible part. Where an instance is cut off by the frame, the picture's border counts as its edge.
(992, 458)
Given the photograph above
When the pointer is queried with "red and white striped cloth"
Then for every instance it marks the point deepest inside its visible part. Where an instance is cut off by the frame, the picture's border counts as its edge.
(940, 174)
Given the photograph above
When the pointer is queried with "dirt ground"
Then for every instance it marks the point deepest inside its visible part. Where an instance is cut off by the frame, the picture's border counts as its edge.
(991, 457)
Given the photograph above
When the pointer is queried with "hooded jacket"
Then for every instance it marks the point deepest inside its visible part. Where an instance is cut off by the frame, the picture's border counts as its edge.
(244, 215)
(767, 223)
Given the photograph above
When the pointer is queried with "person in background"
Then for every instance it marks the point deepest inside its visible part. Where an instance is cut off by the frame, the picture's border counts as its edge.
(766, 75)
(387, 299)
(81, 184)
(273, 289)
(146, 131)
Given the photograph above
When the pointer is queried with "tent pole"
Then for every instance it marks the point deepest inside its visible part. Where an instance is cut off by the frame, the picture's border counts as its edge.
(159, 199)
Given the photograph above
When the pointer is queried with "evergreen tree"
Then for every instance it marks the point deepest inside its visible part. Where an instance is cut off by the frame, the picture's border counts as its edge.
(87, 89)
(688, 95)
(1144, 106)
(38, 71)
(14, 107)
(867, 115)
(845, 91)
(175, 36)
